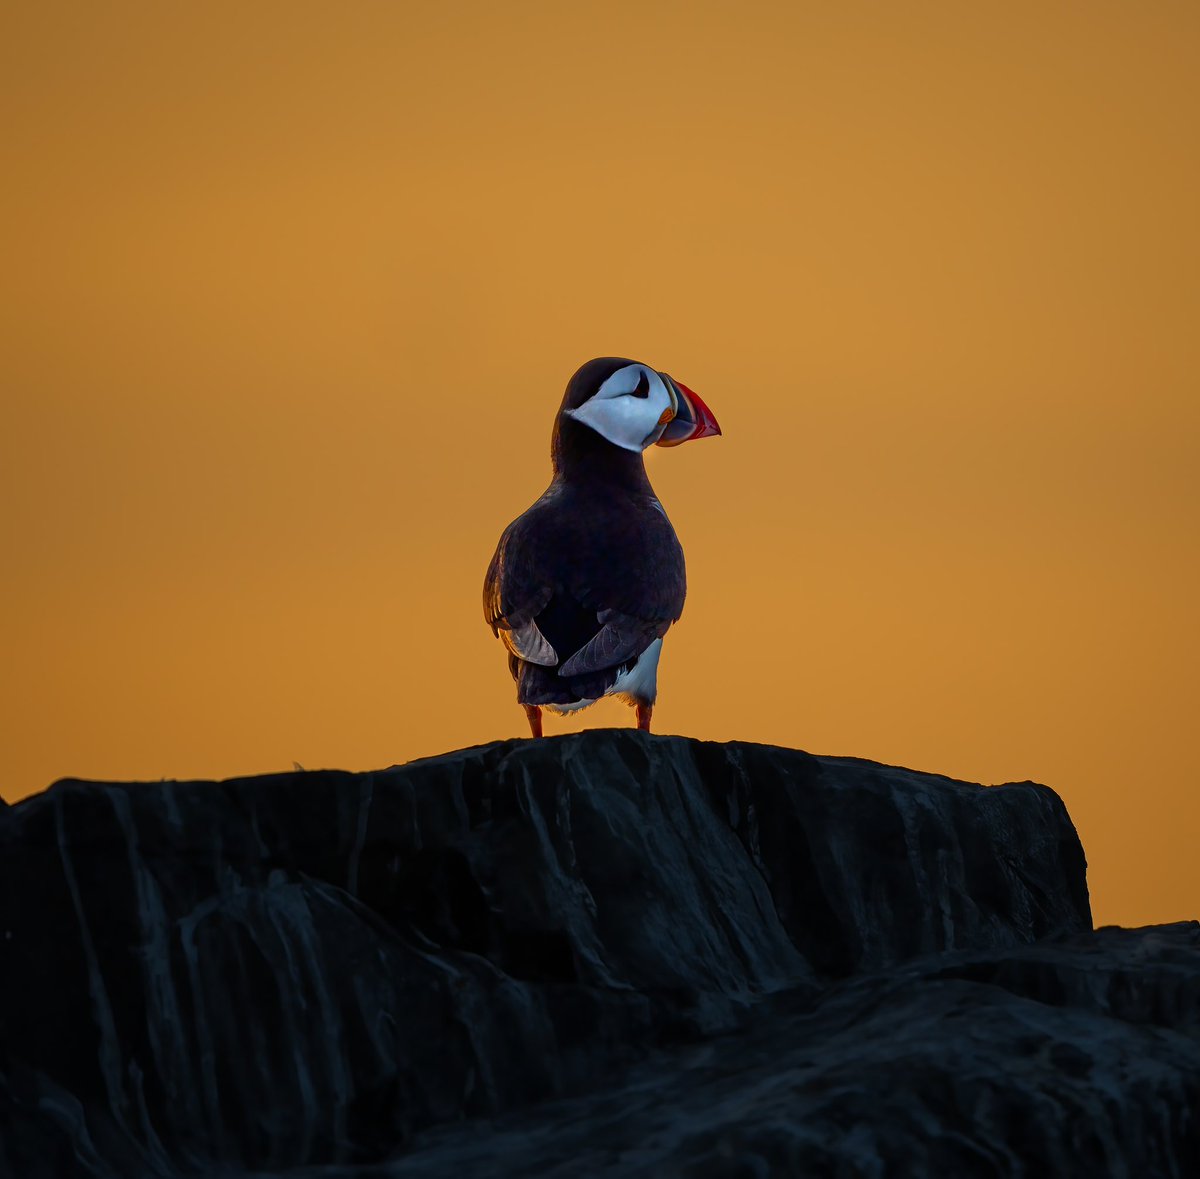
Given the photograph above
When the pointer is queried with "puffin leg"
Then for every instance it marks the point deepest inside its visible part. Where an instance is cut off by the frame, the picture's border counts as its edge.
(643, 716)
(534, 715)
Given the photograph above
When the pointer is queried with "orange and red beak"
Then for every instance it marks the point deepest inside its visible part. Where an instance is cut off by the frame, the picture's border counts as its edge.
(692, 418)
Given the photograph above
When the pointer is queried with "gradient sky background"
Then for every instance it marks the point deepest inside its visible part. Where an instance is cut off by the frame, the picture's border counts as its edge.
(291, 291)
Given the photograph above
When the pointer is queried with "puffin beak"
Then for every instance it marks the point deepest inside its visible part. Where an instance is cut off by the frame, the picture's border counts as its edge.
(692, 419)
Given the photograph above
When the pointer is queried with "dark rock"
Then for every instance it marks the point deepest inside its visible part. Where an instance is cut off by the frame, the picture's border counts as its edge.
(323, 968)
(1080, 1058)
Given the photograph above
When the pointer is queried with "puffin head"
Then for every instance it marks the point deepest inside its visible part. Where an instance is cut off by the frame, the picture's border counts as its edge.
(634, 406)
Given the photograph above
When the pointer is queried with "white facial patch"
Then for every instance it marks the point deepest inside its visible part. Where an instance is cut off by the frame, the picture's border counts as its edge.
(618, 414)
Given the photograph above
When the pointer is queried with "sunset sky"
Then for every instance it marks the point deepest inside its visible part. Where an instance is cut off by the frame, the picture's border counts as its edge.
(291, 292)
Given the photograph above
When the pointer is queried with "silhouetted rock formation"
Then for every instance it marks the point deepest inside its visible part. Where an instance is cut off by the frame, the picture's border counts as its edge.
(693, 955)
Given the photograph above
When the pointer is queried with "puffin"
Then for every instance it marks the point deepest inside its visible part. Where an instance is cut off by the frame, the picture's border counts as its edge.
(585, 583)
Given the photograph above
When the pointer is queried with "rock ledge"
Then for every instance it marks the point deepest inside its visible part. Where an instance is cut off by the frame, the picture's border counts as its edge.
(699, 954)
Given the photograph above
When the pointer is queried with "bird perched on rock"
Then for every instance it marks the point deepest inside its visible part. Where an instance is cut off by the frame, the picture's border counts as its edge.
(584, 584)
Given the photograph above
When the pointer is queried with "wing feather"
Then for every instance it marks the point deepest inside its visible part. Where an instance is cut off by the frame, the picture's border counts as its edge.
(527, 642)
(593, 581)
(619, 639)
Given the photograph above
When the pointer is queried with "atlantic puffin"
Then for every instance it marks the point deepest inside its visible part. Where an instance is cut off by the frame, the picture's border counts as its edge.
(584, 585)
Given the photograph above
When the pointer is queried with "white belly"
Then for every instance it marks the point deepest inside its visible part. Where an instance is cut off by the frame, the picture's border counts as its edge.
(640, 682)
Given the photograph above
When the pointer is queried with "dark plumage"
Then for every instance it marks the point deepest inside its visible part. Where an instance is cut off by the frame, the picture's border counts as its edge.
(592, 574)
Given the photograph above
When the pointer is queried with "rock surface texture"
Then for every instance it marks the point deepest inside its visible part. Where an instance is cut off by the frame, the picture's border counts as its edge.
(607, 953)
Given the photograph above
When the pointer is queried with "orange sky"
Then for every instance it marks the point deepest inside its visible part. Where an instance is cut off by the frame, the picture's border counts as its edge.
(292, 291)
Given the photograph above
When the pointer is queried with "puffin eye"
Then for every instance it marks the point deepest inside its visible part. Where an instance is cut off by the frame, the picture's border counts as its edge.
(643, 386)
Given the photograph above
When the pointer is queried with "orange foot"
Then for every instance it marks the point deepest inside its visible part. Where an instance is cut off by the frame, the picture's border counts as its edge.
(534, 715)
(643, 716)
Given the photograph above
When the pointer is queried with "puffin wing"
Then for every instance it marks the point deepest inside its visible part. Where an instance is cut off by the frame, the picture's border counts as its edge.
(604, 581)
(620, 638)
(635, 582)
(528, 643)
(514, 594)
